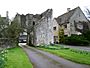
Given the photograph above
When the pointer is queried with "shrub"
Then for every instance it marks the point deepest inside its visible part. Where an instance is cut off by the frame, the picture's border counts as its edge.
(86, 34)
(2, 58)
(76, 40)
(80, 51)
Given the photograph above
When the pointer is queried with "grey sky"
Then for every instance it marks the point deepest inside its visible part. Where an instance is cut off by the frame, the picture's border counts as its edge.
(38, 6)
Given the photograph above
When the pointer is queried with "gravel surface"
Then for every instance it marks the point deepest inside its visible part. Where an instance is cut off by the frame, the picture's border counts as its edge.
(41, 59)
(85, 48)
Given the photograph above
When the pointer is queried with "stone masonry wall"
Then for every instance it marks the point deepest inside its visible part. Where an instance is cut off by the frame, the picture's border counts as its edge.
(43, 29)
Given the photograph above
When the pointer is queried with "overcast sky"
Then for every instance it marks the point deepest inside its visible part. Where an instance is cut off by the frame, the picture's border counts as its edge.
(38, 6)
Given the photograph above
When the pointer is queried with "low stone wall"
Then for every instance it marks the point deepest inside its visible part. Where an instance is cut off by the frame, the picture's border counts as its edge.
(7, 43)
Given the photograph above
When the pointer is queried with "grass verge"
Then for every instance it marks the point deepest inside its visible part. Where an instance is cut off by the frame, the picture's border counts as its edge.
(70, 54)
(16, 58)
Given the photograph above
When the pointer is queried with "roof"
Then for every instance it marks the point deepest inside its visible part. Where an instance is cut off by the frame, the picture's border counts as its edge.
(65, 17)
(47, 13)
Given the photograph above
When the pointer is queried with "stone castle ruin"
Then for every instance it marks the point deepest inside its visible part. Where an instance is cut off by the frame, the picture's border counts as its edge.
(38, 27)
(43, 29)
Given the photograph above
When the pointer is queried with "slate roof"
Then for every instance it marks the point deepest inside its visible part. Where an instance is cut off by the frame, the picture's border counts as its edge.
(65, 17)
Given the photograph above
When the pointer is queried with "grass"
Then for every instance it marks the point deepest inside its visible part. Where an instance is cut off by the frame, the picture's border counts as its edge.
(16, 58)
(70, 54)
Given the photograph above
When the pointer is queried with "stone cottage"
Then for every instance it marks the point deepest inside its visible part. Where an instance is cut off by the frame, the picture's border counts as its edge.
(73, 22)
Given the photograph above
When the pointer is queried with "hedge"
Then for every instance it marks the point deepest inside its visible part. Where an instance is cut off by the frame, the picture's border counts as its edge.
(76, 40)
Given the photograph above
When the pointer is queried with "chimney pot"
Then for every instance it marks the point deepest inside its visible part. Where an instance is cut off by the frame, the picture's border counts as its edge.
(68, 9)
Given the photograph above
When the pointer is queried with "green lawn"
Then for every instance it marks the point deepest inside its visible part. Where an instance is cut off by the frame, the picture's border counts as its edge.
(70, 54)
(16, 58)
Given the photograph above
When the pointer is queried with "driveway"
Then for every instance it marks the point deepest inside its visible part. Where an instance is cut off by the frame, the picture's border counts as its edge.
(41, 59)
(85, 48)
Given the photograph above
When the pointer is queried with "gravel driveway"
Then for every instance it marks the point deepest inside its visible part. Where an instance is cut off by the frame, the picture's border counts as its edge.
(85, 48)
(41, 59)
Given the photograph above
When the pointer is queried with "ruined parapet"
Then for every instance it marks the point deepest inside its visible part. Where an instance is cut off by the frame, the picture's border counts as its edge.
(43, 28)
(47, 13)
(39, 27)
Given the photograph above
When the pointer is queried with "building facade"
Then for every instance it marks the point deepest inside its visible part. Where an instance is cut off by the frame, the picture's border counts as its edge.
(72, 22)
(38, 27)
(44, 29)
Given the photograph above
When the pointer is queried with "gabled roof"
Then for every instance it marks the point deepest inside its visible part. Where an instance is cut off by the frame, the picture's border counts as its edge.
(65, 17)
(47, 13)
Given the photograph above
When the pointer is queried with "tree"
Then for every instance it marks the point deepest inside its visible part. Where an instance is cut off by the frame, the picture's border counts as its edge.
(13, 32)
(88, 12)
(2, 26)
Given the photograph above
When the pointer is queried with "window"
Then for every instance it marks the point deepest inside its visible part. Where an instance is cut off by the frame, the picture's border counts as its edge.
(55, 39)
(65, 26)
(54, 28)
(33, 23)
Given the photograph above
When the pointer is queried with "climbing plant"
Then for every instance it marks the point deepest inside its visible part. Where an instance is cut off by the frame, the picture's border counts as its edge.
(61, 35)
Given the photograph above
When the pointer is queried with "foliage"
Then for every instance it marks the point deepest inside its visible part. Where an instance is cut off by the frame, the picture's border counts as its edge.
(17, 58)
(49, 47)
(76, 40)
(61, 35)
(86, 34)
(3, 58)
(2, 25)
(12, 32)
(80, 51)
(74, 55)
(88, 13)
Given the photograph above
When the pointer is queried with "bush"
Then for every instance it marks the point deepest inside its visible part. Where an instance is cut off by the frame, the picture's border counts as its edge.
(76, 40)
(86, 34)
(2, 58)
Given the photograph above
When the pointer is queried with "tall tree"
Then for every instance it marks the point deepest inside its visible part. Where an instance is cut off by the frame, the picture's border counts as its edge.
(13, 32)
(2, 26)
(88, 12)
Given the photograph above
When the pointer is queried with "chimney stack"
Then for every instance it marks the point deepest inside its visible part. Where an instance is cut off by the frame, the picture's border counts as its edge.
(68, 9)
